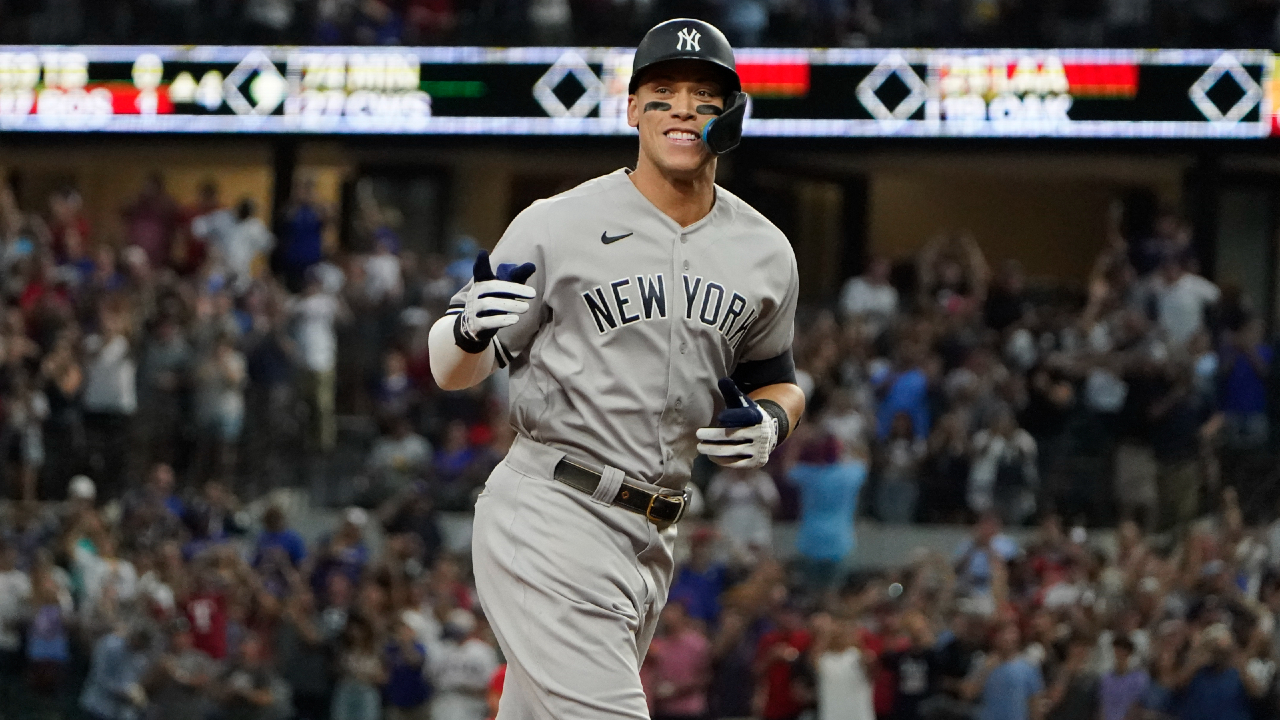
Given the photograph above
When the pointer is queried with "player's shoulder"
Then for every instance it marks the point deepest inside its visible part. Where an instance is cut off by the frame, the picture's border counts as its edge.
(748, 221)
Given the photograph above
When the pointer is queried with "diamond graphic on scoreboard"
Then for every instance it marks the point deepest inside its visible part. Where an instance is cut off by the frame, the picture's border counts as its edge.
(265, 87)
(1225, 66)
(891, 66)
(570, 63)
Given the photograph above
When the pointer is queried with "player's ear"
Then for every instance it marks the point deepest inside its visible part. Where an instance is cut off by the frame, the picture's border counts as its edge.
(633, 111)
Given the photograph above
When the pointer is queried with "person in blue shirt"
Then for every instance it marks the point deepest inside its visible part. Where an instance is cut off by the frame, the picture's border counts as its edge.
(904, 390)
(1245, 368)
(275, 534)
(829, 479)
(113, 690)
(699, 582)
(1213, 684)
(1007, 686)
(406, 692)
(303, 238)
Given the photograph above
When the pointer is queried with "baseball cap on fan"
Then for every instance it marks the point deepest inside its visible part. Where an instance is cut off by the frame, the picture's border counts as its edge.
(685, 39)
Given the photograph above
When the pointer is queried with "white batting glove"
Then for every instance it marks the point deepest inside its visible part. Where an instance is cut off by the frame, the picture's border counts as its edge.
(493, 302)
(745, 436)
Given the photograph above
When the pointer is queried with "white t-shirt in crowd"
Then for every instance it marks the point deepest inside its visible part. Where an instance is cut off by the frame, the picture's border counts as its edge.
(242, 245)
(15, 591)
(1180, 305)
(744, 508)
(384, 280)
(461, 678)
(214, 227)
(844, 693)
(877, 303)
(110, 381)
(316, 315)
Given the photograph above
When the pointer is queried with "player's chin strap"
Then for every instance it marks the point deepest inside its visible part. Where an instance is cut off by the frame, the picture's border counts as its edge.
(723, 132)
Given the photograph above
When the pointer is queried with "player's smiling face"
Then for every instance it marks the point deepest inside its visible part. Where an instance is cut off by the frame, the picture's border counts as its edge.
(669, 108)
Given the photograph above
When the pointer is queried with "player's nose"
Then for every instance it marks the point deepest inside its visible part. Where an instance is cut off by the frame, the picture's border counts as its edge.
(684, 106)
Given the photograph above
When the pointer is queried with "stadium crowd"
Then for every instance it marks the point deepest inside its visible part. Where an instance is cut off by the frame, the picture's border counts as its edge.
(787, 23)
(147, 386)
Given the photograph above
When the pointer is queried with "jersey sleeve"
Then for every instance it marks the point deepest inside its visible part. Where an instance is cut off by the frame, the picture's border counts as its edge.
(524, 241)
(765, 357)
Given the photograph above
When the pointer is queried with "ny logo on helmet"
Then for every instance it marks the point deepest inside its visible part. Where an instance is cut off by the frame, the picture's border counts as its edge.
(688, 40)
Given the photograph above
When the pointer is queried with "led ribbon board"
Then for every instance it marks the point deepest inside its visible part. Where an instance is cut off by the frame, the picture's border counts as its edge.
(582, 91)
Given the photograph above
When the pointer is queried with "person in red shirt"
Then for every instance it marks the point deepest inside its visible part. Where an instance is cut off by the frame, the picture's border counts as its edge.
(885, 636)
(206, 611)
(68, 228)
(778, 664)
(494, 694)
(682, 666)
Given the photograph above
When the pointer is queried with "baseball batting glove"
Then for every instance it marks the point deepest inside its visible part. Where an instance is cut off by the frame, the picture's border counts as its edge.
(494, 302)
(745, 435)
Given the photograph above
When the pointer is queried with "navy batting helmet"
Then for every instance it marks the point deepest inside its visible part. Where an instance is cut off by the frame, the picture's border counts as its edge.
(686, 39)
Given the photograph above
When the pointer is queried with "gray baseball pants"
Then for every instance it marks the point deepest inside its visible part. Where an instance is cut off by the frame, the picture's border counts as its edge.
(572, 588)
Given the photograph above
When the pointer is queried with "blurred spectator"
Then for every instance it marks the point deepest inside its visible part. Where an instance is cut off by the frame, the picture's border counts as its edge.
(208, 225)
(110, 400)
(1213, 682)
(302, 244)
(700, 580)
(681, 658)
(829, 478)
(1004, 476)
(914, 667)
(1122, 689)
(871, 298)
(113, 690)
(151, 221)
(316, 312)
(841, 668)
(744, 502)
(407, 691)
(779, 665)
(243, 245)
(220, 381)
(1007, 686)
(1181, 422)
(1245, 369)
(902, 455)
(15, 597)
(467, 661)
(904, 390)
(179, 680)
(248, 686)
(1181, 299)
(398, 459)
(277, 537)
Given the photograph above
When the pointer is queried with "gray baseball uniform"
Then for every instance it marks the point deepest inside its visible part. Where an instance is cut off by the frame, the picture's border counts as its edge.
(615, 365)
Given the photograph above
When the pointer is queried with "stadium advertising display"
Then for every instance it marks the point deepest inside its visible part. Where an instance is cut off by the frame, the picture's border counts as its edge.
(582, 91)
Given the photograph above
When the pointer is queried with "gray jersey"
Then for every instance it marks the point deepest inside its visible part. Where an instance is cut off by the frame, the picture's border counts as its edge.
(636, 318)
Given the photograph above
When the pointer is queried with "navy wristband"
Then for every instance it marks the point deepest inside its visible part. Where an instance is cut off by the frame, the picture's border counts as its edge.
(775, 411)
(474, 347)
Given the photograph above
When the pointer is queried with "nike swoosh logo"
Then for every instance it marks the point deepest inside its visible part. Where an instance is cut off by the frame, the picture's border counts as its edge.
(606, 238)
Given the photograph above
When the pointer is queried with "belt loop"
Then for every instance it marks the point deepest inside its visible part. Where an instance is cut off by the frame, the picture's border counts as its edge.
(607, 490)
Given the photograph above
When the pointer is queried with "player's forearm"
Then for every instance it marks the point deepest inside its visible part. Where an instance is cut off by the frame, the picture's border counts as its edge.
(452, 367)
(789, 397)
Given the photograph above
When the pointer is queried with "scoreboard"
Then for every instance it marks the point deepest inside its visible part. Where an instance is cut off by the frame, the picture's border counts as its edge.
(1214, 94)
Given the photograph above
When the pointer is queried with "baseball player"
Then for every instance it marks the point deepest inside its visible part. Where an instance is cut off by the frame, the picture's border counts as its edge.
(645, 316)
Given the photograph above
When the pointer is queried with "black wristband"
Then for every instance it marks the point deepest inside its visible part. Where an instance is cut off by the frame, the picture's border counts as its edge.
(475, 347)
(776, 412)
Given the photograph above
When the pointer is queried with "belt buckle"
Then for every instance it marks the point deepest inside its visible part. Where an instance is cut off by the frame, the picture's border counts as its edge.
(682, 500)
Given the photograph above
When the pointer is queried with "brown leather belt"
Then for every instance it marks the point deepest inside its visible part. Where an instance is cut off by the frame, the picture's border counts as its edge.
(659, 509)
